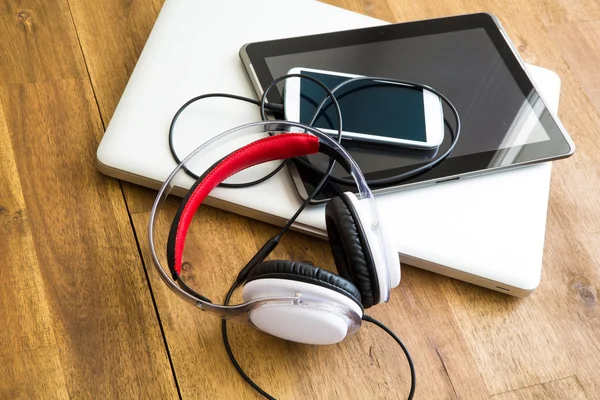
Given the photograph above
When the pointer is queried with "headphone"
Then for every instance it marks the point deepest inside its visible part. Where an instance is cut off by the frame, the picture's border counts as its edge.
(293, 300)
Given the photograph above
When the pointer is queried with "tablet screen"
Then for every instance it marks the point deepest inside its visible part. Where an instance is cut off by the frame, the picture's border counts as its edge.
(504, 121)
(465, 64)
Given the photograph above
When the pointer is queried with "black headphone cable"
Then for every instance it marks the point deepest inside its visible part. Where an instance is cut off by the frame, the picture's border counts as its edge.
(413, 375)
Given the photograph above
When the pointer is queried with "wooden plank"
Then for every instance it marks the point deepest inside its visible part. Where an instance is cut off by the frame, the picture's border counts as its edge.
(32, 374)
(102, 314)
(103, 319)
(578, 302)
(29, 51)
(567, 388)
(26, 335)
(80, 316)
(580, 45)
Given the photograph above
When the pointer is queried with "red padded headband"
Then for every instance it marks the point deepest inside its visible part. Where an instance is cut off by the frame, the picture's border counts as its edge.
(278, 147)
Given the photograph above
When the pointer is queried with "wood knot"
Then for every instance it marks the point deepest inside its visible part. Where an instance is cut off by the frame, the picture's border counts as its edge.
(522, 48)
(585, 292)
(24, 17)
(2, 210)
(587, 295)
(186, 266)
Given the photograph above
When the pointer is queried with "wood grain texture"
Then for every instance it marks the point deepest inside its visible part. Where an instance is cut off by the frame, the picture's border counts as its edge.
(29, 51)
(567, 388)
(76, 306)
(27, 334)
(74, 323)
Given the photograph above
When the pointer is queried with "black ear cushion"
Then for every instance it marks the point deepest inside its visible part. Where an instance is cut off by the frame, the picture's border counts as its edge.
(350, 249)
(303, 272)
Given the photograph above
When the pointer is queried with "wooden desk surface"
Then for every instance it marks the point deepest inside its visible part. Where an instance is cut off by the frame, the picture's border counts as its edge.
(84, 314)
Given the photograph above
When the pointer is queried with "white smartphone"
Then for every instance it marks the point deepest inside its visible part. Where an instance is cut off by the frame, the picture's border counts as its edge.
(371, 111)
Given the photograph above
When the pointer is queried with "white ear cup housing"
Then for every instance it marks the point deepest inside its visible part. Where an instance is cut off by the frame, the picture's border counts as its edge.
(393, 259)
(320, 316)
(384, 253)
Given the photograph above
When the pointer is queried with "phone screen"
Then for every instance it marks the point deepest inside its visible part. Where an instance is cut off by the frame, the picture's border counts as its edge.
(368, 107)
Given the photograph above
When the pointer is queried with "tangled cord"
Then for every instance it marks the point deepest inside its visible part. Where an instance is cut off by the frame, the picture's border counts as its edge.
(275, 107)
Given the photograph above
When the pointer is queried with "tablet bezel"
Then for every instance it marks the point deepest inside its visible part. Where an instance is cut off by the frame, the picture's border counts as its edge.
(559, 146)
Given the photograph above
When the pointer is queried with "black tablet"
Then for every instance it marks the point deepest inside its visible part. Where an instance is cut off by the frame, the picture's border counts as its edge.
(468, 58)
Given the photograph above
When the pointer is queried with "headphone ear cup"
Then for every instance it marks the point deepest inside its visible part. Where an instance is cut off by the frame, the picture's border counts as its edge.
(307, 273)
(350, 249)
(328, 306)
